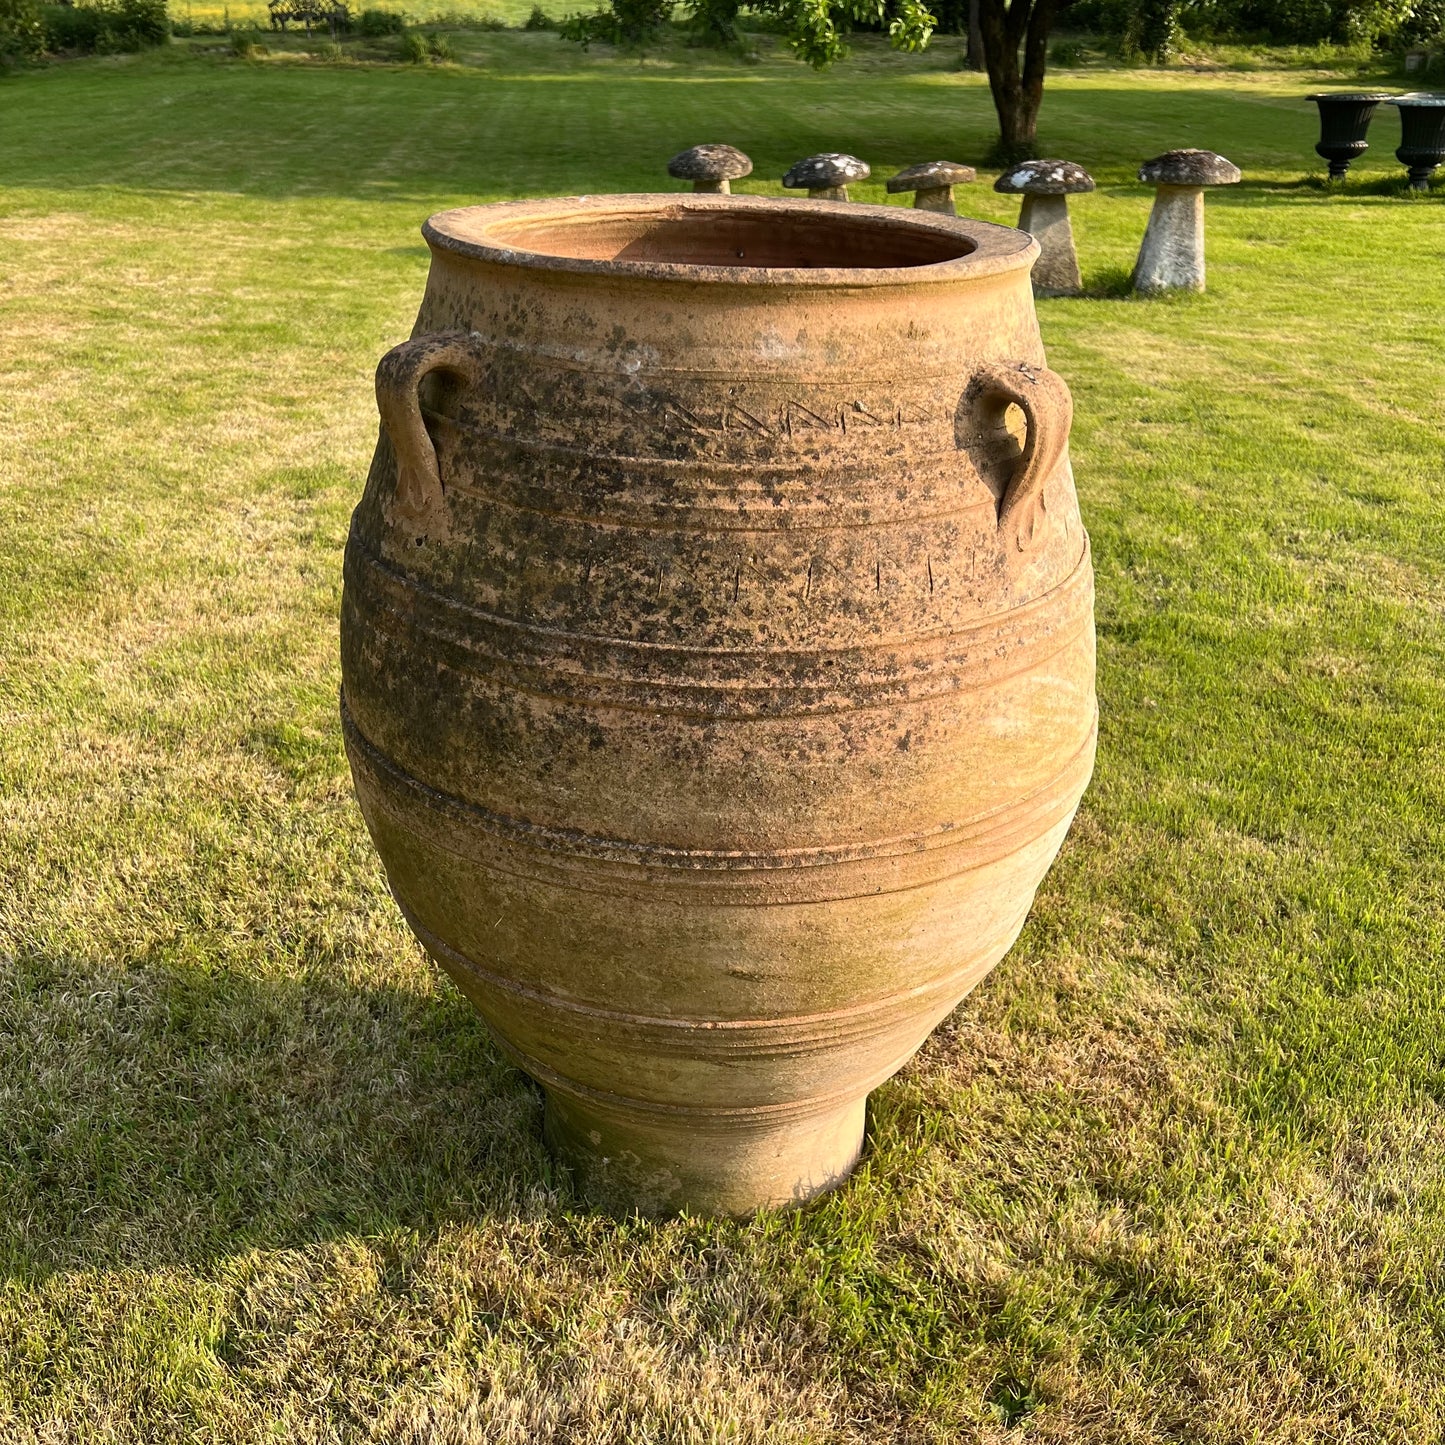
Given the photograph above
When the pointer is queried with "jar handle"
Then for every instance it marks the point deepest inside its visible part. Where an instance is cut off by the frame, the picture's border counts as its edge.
(1048, 410)
(398, 377)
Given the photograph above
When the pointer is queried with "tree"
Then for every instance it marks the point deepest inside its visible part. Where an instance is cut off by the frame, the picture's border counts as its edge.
(974, 53)
(1017, 93)
(816, 29)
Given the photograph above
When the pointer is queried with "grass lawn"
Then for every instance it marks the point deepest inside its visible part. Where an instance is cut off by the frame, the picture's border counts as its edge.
(1175, 1172)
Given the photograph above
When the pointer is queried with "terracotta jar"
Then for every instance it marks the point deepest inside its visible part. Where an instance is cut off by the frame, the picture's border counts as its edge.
(718, 661)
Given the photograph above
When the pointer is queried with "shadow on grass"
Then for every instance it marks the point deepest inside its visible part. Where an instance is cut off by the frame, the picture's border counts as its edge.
(1315, 186)
(1109, 283)
(1116, 283)
(1396, 186)
(172, 1114)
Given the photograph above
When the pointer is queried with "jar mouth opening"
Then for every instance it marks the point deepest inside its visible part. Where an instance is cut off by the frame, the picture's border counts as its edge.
(748, 240)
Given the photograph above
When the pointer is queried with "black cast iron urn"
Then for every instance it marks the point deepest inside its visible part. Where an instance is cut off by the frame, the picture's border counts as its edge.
(1344, 119)
(1422, 135)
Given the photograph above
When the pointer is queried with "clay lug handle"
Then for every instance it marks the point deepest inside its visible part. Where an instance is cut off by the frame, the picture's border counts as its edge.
(1048, 412)
(398, 378)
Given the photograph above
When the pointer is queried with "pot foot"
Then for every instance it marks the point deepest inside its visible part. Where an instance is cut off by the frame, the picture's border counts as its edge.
(659, 1163)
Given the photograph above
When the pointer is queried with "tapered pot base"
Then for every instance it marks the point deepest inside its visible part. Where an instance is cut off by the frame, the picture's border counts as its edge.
(718, 1164)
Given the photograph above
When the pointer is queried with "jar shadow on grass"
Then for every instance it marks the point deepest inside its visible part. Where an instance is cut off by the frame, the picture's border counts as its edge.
(1313, 184)
(171, 1114)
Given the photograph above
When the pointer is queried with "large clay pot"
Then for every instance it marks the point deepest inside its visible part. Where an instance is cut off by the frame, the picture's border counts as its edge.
(718, 667)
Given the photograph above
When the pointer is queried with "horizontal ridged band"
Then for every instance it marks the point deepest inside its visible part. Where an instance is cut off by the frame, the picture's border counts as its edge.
(569, 858)
(715, 682)
(736, 1039)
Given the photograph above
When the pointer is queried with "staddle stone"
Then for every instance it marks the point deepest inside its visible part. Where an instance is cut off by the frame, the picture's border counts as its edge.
(710, 168)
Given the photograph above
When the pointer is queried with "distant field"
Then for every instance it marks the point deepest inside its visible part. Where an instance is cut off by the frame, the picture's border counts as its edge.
(240, 13)
(1173, 1175)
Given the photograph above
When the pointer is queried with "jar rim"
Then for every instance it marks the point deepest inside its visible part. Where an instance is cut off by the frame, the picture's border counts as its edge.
(914, 247)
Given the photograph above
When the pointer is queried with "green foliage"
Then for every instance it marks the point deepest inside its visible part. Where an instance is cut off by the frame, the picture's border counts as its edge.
(1159, 29)
(72, 29)
(467, 20)
(374, 23)
(1151, 30)
(1151, 27)
(1307, 21)
(817, 29)
(312, 14)
(539, 20)
(626, 22)
(1426, 24)
(105, 27)
(714, 22)
(950, 16)
(246, 44)
(584, 27)
(137, 24)
(22, 35)
(1099, 17)
(419, 49)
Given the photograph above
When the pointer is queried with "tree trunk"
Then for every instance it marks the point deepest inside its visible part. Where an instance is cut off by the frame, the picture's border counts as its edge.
(1017, 94)
(974, 53)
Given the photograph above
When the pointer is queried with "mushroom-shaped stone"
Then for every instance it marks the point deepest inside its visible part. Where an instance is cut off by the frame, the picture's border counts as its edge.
(825, 177)
(1172, 255)
(932, 184)
(1046, 187)
(710, 168)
